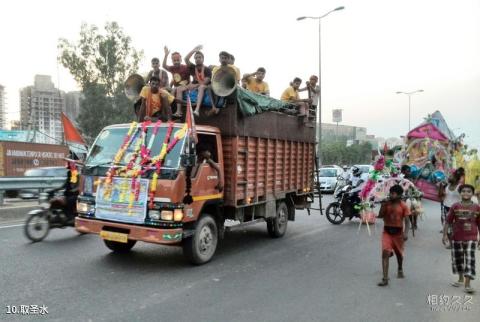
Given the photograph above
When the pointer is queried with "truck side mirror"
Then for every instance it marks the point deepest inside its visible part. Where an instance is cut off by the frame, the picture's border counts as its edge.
(188, 158)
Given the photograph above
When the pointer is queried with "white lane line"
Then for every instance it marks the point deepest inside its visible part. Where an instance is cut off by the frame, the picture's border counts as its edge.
(9, 226)
(20, 206)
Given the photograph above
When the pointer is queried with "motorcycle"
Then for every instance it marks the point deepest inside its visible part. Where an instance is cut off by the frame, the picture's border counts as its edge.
(50, 215)
(344, 206)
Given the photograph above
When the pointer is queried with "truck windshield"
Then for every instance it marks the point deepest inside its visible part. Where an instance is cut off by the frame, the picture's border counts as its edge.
(109, 142)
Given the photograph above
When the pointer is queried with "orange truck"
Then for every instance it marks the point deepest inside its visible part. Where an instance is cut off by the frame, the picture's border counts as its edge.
(260, 169)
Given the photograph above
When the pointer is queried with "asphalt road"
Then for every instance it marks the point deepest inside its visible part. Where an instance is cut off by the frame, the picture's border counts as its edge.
(317, 272)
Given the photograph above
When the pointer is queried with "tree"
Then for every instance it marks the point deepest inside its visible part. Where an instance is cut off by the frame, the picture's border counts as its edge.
(100, 63)
(337, 152)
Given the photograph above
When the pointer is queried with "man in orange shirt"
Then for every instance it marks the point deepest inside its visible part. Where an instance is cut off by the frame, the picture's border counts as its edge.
(394, 213)
(155, 102)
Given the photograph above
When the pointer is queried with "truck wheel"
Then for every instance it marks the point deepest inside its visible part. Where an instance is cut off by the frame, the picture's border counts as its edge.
(277, 226)
(118, 247)
(199, 248)
(334, 213)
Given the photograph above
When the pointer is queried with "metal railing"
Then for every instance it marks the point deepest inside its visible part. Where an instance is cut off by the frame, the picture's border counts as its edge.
(18, 183)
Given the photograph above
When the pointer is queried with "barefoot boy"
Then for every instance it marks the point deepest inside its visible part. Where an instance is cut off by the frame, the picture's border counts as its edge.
(395, 214)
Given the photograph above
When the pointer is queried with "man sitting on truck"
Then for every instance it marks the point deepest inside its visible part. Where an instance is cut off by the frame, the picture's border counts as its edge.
(157, 72)
(155, 102)
(290, 95)
(201, 75)
(255, 83)
(180, 78)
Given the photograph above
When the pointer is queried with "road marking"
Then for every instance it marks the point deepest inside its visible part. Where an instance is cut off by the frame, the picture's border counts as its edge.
(9, 226)
(19, 206)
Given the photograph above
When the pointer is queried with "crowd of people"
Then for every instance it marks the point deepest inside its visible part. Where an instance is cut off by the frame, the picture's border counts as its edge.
(460, 218)
(163, 97)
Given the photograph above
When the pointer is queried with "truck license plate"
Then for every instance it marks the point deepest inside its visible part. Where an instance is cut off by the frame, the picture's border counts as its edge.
(113, 236)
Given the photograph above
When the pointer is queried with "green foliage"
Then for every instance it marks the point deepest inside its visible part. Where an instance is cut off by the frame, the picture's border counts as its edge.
(100, 63)
(337, 152)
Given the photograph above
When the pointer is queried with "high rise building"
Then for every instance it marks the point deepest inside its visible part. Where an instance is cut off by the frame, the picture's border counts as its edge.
(72, 105)
(40, 109)
(3, 109)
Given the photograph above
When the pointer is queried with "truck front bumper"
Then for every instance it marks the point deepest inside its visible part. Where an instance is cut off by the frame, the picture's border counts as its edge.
(147, 234)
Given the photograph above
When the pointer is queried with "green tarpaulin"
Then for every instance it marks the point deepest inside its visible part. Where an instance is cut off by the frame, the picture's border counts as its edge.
(251, 103)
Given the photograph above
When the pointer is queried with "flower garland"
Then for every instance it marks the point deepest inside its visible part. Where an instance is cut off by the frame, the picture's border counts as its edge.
(136, 136)
(73, 172)
(157, 161)
(129, 138)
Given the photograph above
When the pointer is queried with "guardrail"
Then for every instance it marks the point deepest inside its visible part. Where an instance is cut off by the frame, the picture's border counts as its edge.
(18, 183)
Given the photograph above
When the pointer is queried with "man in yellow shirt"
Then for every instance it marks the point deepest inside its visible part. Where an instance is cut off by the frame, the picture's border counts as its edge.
(290, 95)
(155, 102)
(255, 83)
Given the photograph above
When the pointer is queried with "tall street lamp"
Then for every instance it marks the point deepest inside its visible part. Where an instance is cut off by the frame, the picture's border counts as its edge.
(409, 105)
(319, 109)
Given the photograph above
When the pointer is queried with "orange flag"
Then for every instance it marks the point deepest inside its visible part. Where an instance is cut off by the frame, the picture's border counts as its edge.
(71, 132)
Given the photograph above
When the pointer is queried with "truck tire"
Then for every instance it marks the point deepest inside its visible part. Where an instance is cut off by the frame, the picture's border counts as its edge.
(118, 247)
(200, 248)
(334, 213)
(277, 226)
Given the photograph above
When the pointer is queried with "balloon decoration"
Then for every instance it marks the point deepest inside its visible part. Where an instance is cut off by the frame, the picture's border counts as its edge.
(428, 159)
(438, 176)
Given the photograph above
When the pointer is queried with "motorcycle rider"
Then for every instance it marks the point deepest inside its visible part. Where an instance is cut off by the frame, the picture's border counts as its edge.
(70, 194)
(357, 179)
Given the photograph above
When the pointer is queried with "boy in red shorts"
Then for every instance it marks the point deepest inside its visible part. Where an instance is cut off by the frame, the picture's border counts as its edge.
(394, 213)
(464, 216)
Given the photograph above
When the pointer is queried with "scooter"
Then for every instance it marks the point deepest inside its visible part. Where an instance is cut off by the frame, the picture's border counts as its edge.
(50, 215)
(344, 205)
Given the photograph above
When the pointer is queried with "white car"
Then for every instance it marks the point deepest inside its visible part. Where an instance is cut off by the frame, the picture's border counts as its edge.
(328, 178)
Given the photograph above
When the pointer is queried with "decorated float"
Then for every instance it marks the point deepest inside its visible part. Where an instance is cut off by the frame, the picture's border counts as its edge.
(432, 152)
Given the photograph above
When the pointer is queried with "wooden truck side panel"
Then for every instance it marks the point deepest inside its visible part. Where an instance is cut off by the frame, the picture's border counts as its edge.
(263, 169)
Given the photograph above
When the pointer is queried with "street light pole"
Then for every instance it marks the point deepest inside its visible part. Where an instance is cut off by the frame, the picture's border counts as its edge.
(409, 94)
(319, 107)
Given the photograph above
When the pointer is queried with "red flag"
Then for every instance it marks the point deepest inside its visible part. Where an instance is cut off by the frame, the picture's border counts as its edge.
(71, 132)
(189, 119)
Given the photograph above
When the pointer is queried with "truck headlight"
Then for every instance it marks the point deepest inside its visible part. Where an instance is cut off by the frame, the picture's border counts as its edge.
(154, 214)
(178, 215)
(166, 215)
(83, 207)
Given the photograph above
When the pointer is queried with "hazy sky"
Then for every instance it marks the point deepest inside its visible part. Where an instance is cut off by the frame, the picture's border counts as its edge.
(370, 50)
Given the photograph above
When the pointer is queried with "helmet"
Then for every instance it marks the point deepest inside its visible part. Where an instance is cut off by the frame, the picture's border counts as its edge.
(356, 171)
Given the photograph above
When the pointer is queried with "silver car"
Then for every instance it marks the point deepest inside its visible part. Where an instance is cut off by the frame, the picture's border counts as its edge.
(41, 172)
(328, 178)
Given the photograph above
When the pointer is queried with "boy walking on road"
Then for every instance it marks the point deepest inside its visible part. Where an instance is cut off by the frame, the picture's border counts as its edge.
(464, 216)
(395, 214)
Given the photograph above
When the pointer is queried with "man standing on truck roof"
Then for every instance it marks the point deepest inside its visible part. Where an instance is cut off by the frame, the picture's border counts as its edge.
(155, 102)
(200, 73)
(180, 78)
(290, 95)
(255, 82)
